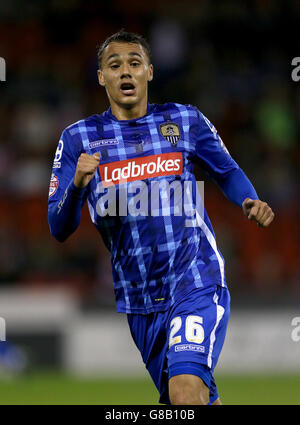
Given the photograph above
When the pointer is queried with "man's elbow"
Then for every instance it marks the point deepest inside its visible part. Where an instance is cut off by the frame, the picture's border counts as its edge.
(61, 232)
(60, 237)
(57, 231)
(61, 227)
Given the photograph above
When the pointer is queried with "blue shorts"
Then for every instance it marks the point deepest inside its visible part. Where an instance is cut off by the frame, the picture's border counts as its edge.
(187, 339)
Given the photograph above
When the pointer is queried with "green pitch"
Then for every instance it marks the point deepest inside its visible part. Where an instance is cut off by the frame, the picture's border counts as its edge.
(57, 388)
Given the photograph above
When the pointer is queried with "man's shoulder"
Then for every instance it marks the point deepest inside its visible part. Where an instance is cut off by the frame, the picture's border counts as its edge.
(180, 108)
(83, 125)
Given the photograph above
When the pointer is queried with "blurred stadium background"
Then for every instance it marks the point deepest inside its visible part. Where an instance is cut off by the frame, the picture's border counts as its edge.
(65, 342)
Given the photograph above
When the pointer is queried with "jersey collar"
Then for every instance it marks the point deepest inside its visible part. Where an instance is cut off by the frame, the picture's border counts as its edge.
(150, 109)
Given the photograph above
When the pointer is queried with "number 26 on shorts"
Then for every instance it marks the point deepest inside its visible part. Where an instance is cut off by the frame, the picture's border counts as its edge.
(194, 331)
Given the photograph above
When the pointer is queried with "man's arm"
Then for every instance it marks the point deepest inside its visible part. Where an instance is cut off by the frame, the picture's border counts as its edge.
(218, 163)
(64, 215)
(71, 176)
(237, 188)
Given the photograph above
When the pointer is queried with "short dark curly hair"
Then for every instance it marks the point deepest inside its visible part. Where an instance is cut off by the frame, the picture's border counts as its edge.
(123, 36)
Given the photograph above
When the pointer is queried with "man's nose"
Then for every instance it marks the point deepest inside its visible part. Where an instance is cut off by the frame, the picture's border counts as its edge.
(125, 72)
(124, 75)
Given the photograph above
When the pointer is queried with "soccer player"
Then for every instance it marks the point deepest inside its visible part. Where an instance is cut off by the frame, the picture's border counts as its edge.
(168, 273)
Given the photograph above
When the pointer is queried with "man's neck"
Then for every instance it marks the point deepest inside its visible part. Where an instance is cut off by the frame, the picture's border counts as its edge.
(135, 112)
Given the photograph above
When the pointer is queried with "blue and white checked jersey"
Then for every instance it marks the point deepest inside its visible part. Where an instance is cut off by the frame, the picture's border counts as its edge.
(156, 256)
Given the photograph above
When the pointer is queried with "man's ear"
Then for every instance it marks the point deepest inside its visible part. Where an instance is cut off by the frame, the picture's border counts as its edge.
(150, 72)
(101, 78)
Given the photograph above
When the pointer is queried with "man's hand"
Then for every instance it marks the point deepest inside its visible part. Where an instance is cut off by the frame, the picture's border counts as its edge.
(86, 168)
(258, 211)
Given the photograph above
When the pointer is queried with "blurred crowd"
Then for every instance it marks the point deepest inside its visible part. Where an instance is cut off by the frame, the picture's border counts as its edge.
(230, 59)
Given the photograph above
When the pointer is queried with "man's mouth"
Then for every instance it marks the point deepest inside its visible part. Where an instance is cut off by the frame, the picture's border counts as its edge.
(127, 89)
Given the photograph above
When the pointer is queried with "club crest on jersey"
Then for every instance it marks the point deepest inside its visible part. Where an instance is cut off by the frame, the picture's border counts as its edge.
(170, 131)
(53, 185)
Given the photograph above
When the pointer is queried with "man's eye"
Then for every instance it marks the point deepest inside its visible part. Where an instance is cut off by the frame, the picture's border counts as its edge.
(135, 63)
(114, 66)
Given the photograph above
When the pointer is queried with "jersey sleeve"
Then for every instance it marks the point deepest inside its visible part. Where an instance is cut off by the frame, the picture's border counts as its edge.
(213, 156)
(65, 200)
(210, 151)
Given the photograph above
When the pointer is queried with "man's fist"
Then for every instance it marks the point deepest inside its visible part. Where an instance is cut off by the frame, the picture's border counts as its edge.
(86, 168)
(259, 211)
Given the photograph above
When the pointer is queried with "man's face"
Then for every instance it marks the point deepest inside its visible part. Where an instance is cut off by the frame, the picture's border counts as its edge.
(125, 73)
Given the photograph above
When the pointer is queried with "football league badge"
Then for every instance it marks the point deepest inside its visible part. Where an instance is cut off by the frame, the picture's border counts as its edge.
(171, 132)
